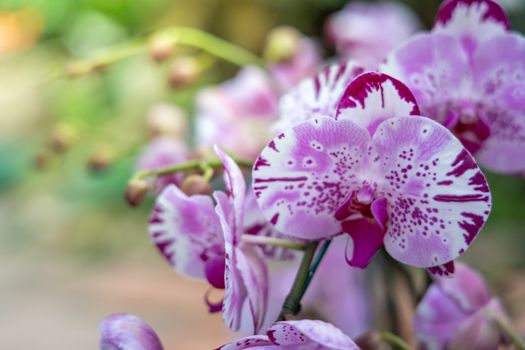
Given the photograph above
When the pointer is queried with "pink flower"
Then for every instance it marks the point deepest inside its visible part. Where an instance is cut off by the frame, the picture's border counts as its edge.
(305, 62)
(204, 241)
(162, 152)
(316, 96)
(377, 173)
(367, 32)
(296, 335)
(468, 74)
(455, 313)
(237, 114)
(127, 332)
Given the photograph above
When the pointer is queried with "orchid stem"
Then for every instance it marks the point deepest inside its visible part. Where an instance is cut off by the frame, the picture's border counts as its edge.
(207, 167)
(318, 258)
(507, 328)
(191, 37)
(277, 242)
(394, 340)
(292, 303)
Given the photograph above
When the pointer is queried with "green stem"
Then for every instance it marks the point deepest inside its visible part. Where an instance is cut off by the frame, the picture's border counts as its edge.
(176, 36)
(277, 242)
(193, 165)
(292, 303)
(507, 328)
(394, 340)
(318, 258)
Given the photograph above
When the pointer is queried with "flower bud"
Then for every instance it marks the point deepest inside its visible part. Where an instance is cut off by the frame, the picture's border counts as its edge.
(62, 138)
(41, 160)
(281, 44)
(136, 192)
(195, 184)
(166, 119)
(161, 49)
(370, 341)
(183, 71)
(100, 159)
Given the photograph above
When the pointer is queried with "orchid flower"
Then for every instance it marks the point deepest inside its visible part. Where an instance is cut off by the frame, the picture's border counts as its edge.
(456, 313)
(127, 332)
(161, 152)
(296, 335)
(367, 32)
(204, 241)
(377, 172)
(238, 113)
(468, 74)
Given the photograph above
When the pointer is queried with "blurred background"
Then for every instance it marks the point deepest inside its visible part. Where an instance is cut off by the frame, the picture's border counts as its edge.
(71, 250)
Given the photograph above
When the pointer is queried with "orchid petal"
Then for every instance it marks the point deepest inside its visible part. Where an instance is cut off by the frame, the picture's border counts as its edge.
(186, 230)
(260, 342)
(374, 97)
(311, 332)
(316, 96)
(379, 209)
(444, 270)
(127, 332)
(499, 67)
(471, 21)
(304, 175)
(366, 238)
(252, 267)
(435, 68)
(438, 197)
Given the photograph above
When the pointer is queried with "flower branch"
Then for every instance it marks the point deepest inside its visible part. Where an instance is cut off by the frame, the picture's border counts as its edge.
(277, 242)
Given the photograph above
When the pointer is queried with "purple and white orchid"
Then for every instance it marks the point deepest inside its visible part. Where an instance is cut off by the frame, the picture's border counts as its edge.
(127, 332)
(296, 335)
(468, 73)
(204, 241)
(378, 172)
(457, 313)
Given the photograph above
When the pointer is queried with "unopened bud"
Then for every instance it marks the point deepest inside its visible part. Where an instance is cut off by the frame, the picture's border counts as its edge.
(100, 160)
(166, 119)
(371, 341)
(62, 138)
(160, 49)
(136, 192)
(195, 184)
(282, 44)
(183, 71)
(41, 160)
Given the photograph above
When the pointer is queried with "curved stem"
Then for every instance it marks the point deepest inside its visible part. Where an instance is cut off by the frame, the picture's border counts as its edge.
(191, 37)
(292, 303)
(278, 242)
(394, 340)
(507, 328)
(318, 258)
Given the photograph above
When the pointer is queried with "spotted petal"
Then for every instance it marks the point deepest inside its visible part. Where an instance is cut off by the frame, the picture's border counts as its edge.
(310, 332)
(305, 174)
(185, 229)
(316, 96)
(374, 97)
(438, 198)
(127, 332)
(471, 21)
(499, 70)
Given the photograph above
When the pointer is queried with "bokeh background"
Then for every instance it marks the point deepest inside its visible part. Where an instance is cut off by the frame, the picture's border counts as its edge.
(71, 250)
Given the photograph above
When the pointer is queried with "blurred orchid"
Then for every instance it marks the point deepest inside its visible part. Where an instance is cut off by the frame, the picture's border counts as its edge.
(161, 152)
(127, 332)
(295, 335)
(468, 74)
(367, 32)
(237, 114)
(377, 173)
(458, 313)
(205, 242)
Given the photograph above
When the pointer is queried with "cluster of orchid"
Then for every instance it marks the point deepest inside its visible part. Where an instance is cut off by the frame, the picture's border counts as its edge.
(367, 163)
